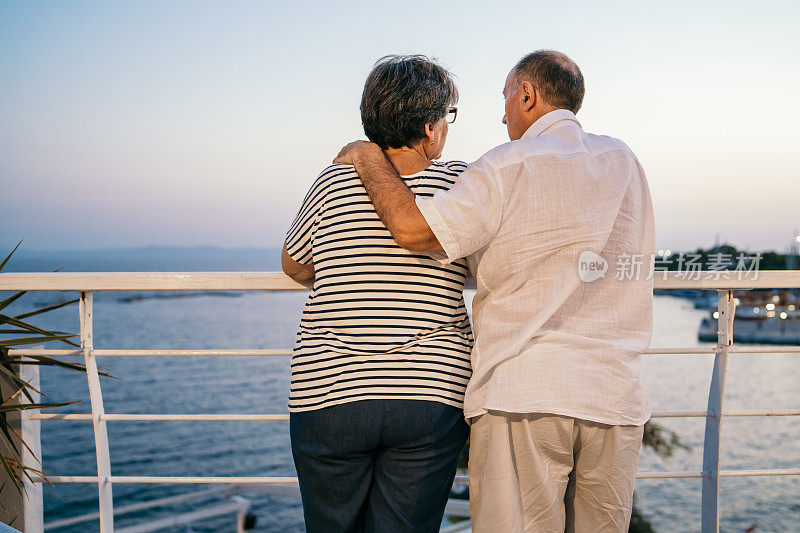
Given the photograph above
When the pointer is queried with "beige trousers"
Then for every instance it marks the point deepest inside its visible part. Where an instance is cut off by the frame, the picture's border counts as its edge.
(544, 473)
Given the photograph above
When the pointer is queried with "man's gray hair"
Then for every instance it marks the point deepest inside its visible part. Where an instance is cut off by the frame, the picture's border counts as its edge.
(556, 77)
(401, 95)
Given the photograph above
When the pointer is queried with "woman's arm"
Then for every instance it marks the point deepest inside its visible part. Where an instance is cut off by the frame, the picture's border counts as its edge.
(297, 271)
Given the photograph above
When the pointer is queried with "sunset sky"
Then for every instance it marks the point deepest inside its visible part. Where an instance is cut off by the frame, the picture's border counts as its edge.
(204, 123)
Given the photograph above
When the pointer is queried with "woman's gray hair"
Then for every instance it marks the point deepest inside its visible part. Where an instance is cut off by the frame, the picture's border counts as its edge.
(401, 95)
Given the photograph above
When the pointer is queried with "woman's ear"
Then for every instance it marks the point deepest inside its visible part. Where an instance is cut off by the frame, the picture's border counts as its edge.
(429, 133)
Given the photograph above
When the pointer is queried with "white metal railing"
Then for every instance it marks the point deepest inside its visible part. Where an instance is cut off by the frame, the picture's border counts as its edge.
(88, 283)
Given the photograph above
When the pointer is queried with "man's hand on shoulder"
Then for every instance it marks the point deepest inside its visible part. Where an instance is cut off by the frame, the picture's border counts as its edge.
(356, 149)
(393, 200)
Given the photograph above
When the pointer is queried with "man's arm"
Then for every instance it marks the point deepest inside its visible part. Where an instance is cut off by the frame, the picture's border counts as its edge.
(393, 201)
(297, 271)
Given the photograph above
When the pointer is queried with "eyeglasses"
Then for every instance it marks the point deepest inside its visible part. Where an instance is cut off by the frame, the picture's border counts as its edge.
(450, 117)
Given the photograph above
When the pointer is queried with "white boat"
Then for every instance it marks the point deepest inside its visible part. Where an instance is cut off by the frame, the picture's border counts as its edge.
(761, 318)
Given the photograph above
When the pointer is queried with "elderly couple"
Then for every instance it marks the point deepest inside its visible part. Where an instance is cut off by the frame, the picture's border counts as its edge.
(387, 383)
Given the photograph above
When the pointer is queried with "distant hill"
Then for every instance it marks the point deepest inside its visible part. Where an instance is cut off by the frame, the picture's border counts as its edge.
(145, 259)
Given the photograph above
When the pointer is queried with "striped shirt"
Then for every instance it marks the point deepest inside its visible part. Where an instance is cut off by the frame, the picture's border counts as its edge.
(380, 322)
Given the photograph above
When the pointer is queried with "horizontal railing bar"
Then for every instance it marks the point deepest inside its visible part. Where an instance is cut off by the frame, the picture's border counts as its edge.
(761, 413)
(271, 281)
(679, 414)
(680, 351)
(239, 505)
(764, 279)
(135, 507)
(285, 480)
(669, 475)
(744, 349)
(193, 353)
(703, 414)
(264, 480)
(753, 473)
(764, 349)
(164, 417)
(66, 479)
(156, 353)
(148, 281)
(458, 527)
(286, 352)
(71, 521)
(285, 417)
(458, 479)
(19, 352)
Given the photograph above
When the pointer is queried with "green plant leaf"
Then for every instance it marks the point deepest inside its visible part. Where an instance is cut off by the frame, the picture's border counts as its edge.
(9, 255)
(44, 360)
(11, 299)
(9, 440)
(3, 507)
(9, 371)
(25, 469)
(15, 464)
(20, 439)
(23, 389)
(4, 319)
(11, 474)
(21, 384)
(661, 440)
(26, 406)
(21, 342)
(46, 309)
(26, 332)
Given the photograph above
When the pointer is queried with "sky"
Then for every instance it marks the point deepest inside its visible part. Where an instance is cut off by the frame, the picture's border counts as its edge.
(204, 123)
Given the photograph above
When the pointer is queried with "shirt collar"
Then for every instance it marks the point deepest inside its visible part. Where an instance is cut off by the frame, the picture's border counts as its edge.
(547, 120)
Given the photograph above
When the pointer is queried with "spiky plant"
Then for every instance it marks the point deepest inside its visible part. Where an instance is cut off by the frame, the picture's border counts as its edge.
(24, 333)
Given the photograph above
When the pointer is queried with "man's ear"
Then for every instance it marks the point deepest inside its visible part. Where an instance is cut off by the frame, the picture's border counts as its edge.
(529, 95)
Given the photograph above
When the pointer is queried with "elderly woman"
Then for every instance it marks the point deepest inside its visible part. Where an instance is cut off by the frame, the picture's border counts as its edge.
(381, 360)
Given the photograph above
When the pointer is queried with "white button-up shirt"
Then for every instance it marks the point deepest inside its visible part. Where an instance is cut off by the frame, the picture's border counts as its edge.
(538, 218)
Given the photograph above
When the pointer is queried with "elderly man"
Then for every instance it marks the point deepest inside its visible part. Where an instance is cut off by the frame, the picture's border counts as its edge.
(557, 226)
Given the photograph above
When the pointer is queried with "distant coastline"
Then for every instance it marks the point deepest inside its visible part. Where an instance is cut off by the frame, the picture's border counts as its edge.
(146, 259)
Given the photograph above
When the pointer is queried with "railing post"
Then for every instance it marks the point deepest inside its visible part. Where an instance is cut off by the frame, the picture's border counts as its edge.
(240, 522)
(100, 431)
(716, 395)
(24, 509)
(30, 431)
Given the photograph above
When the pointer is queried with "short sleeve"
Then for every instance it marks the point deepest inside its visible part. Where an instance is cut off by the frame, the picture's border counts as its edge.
(300, 236)
(466, 217)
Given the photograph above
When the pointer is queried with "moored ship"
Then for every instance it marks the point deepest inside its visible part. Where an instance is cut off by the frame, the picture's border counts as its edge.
(762, 317)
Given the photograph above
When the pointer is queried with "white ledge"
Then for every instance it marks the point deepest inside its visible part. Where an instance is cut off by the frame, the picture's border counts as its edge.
(277, 281)
(149, 281)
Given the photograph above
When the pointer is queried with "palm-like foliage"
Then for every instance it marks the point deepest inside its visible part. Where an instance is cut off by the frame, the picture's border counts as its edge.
(23, 333)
